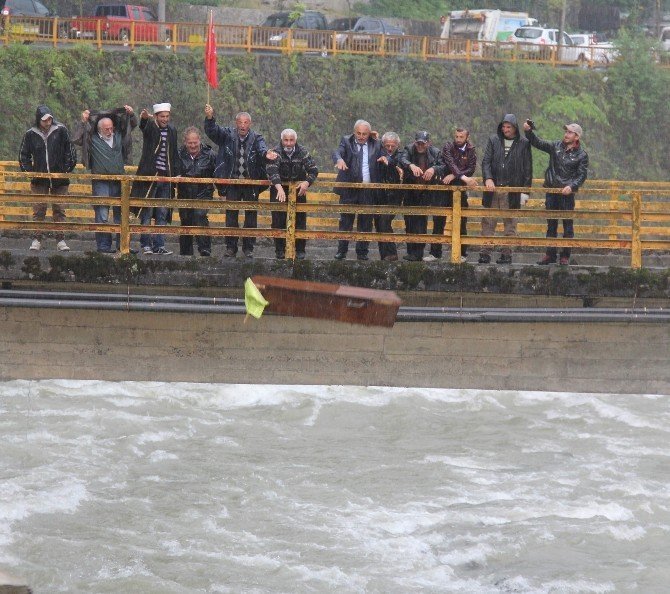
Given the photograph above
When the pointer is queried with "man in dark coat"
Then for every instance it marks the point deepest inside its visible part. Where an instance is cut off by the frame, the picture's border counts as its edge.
(294, 164)
(159, 158)
(46, 148)
(196, 159)
(460, 161)
(242, 155)
(356, 162)
(423, 165)
(106, 146)
(567, 170)
(507, 162)
(390, 172)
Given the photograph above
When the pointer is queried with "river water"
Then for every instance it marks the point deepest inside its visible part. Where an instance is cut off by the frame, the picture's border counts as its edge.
(166, 488)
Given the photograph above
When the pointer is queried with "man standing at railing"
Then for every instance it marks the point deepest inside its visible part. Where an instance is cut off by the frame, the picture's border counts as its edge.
(507, 162)
(567, 170)
(242, 155)
(159, 158)
(390, 172)
(423, 165)
(294, 164)
(460, 161)
(47, 148)
(105, 140)
(356, 162)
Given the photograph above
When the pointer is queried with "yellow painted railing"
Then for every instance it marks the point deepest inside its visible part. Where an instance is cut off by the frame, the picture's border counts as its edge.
(626, 216)
(60, 32)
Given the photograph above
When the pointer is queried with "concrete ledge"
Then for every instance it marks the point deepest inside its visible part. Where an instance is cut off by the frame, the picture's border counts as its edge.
(621, 357)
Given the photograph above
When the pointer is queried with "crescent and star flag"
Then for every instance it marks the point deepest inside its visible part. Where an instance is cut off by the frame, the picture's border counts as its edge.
(210, 55)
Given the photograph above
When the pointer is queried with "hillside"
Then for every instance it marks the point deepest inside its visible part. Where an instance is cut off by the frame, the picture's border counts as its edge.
(622, 111)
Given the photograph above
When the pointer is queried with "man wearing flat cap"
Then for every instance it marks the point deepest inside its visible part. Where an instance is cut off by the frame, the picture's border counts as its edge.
(567, 170)
(159, 158)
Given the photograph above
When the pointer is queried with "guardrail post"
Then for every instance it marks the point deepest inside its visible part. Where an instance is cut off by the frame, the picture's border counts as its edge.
(424, 48)
(636, 241)
(468, 50)
(456, 227)
(173, 38)
(291, 200)
(98, 33)
(249, 39)
(125, 216)
(132, 35)
(54, 32)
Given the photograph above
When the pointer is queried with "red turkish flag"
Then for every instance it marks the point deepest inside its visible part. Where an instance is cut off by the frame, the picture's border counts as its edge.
(210, 55)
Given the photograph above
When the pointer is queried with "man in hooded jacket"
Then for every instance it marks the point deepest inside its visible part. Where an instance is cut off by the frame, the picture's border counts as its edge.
(507, 162)
(46, 148)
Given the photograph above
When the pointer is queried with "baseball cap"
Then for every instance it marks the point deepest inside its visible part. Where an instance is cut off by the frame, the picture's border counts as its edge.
(576, 128)
(422, 136)
(46, 116)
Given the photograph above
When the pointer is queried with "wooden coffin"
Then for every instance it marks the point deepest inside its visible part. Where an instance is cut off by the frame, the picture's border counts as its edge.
(355, 305)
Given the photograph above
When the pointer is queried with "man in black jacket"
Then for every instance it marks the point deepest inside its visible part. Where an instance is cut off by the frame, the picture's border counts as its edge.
(242, 155)
(356, 162)
(390, 172)
(294, 164)
(47, 148)
(196, 159)
(423, 165)
(159, 158)
(507, 162)
(567, 170)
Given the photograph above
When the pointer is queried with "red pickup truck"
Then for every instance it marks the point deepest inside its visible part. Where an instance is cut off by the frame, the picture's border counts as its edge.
(117, 21)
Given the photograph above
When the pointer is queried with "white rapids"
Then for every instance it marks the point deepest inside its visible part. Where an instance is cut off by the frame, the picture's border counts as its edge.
(186, 488)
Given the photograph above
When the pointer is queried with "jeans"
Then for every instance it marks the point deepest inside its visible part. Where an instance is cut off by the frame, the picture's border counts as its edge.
(160, 213)
(559, 202)
(103, 241)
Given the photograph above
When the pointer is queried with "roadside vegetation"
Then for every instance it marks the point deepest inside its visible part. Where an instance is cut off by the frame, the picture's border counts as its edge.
(625, 110)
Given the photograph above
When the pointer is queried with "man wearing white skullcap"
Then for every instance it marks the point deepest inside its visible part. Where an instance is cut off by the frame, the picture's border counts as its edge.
(159, 158)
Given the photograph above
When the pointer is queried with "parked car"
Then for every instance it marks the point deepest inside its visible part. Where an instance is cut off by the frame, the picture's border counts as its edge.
(589, 48)
(342, 24)
(540, 42)
(26, 26)
(366, 34)
(310, 20)
(115, 23)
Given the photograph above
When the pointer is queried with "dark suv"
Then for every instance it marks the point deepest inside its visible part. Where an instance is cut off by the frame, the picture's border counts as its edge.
(23, 26)
(303, 24)
(366, 34)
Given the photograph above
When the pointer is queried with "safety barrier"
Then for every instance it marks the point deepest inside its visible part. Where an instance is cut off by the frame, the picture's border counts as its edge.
(176, 37)
(631, 216)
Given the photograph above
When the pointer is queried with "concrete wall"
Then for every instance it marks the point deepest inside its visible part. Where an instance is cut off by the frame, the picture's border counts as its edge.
(108, 345)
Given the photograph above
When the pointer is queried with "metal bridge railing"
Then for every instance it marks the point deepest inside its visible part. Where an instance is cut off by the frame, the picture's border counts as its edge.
(613, 215)
(178, 36)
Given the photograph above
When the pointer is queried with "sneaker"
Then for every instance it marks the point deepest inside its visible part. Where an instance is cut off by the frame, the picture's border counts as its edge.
(484, 258)
(504, 259)
(411, 258)
(300, 255)
(546, 261)
(564, 261)
(430, 258)
(61, 246)
(362, 257)
(163, 251)
(463, 259)
(36, 245)
(205, 253)
(248, 253)
(229, 253)
(147, 251)
(340, 255)
(390, 258)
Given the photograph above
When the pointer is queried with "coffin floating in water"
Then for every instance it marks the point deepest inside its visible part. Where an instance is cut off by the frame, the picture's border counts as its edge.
(355, 305)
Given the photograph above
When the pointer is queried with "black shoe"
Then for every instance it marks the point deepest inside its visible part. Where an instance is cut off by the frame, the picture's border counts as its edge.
(362, 257)
(300, 256)
(504, 259)
(229, 253)
(484, 259)
(280, 255)
(108, 251)
(205, 253)
(248, 253)
(340, 255)
(132, 251)
(411, 258)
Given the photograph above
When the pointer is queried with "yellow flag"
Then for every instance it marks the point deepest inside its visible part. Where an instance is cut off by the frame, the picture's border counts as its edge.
(253, 300)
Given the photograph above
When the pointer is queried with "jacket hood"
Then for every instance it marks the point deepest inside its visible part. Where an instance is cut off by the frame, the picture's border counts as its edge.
(40, 112)
(509, 118)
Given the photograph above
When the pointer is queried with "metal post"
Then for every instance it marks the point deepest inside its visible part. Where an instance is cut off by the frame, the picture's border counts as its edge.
(456, 228)
(125, 216)
(636, 241)
(291, 200)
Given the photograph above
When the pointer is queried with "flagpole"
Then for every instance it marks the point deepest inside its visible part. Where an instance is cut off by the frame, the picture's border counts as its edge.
(211, 17)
